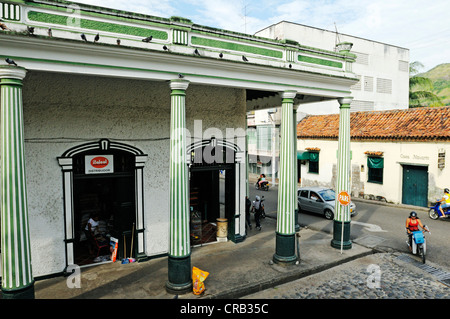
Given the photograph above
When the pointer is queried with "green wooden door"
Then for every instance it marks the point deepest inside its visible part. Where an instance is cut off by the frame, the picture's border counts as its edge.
(415, 185)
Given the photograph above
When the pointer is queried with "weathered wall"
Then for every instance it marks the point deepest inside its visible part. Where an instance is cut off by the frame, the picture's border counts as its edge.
(62, 111)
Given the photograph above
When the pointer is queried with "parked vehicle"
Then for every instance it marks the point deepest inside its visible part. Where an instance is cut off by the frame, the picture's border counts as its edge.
(434, 212)
(320, 200)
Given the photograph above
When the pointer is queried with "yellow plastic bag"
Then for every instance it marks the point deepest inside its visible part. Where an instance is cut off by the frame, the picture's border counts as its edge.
(198, 277)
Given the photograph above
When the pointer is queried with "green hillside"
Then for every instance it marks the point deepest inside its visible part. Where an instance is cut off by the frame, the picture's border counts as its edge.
(440, 76)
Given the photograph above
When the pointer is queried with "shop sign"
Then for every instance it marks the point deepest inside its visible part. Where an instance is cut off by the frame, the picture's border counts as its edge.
(99, 164)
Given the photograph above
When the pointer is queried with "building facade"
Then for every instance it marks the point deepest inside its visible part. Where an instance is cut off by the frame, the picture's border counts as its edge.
(382, 69)
(132, 118)
(398, 156)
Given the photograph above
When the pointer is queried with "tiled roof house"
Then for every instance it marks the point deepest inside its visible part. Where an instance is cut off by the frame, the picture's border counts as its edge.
(399, 155)
(428, 123)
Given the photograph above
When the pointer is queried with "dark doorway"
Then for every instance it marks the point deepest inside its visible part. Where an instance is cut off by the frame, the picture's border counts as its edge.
(415, 185)
(212, 195)
(111, 197)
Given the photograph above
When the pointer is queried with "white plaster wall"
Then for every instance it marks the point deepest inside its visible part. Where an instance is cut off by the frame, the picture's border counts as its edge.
(382, 62)
(62, 111)
(395, 155)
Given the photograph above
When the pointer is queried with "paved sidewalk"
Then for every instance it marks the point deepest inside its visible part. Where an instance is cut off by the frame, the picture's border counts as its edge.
(246, 270)
(235, 270)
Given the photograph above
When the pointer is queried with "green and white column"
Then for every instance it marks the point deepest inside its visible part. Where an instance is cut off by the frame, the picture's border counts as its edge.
(287, 201)
(179, 261)
(297, 225)
(17, 277)
(341, 224)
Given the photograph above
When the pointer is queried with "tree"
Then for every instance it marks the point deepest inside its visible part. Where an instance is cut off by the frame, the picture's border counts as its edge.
(420, 88)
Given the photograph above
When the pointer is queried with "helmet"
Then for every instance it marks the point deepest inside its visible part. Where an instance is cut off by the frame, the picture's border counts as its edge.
(446, 190)
(413, 214)
(257, 197)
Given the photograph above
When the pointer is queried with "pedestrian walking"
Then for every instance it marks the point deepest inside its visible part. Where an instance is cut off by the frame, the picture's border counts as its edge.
(258, 207)
(248, 205)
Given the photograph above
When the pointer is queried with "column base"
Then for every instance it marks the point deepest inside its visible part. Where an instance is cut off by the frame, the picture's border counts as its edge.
(338, 240)
(180, 277)
(25, 293)
(285, 249)
(297, 225)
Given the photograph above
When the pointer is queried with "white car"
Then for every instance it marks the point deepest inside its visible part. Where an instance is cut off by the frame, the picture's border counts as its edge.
(320, 200)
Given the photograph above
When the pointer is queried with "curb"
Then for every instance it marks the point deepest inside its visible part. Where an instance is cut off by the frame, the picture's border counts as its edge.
(244, 290)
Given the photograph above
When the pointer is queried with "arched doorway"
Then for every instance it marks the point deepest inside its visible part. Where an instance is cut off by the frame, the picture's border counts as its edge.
(103, 179)
(215, 187)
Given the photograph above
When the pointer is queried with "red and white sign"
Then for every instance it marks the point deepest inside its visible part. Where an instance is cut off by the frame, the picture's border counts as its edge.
(99, 164)
(344, 198)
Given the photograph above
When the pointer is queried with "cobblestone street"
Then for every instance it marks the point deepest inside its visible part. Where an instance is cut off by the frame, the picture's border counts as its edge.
(378, 276)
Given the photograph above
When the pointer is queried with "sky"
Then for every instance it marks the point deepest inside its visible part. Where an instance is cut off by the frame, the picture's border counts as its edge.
(423, 27)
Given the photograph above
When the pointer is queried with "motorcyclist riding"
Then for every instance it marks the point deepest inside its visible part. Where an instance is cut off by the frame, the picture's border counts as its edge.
(445, 202)
(412, 224)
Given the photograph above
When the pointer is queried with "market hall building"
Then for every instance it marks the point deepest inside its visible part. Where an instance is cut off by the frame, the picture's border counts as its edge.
(139, 121)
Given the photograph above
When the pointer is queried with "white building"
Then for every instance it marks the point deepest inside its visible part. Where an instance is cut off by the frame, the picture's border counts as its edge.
(382, 69)
(399, 156)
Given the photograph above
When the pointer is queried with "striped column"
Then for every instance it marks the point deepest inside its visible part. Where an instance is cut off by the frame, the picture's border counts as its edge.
(287, 201)
(17, 277)
(341, 225)
(297, 225)
(179, 261)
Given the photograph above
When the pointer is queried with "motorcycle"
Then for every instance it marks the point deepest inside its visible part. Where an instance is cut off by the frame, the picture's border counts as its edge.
(263, 186)
(419, 243)
(434, 212)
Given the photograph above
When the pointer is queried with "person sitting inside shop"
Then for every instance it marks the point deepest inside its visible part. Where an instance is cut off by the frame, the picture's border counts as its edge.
(91, 230)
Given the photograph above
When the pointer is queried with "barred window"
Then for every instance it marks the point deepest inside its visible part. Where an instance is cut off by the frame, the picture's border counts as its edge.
(368, 83)
(403, 66)
(384, 86)
(313, 162)
(357, 86)
(376, 166)
(362, 58)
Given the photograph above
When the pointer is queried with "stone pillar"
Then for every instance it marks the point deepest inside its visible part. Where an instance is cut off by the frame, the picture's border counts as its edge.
(17, 276)
(179, 261)
(341, 226)
(285, 232)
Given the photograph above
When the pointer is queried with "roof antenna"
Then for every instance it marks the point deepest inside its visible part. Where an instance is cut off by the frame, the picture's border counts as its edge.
(337, 40)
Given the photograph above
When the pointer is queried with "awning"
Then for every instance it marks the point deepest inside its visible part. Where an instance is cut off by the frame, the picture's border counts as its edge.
(302, 155)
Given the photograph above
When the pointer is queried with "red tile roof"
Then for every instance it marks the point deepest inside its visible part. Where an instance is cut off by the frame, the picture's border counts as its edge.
(423, 123)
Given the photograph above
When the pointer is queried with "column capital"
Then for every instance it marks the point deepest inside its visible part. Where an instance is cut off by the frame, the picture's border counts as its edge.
(179, 84)
(345, 101)
(12, 72)
(288, 94)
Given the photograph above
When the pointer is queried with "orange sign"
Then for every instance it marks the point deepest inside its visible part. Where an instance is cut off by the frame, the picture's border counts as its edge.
(344, 198)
